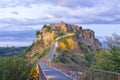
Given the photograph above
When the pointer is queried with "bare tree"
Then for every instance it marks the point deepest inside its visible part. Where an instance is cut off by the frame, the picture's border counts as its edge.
(114, 40)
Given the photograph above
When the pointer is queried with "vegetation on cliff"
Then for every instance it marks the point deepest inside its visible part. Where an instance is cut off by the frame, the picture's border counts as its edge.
(104, 59)
(71, 52)
(66, 44)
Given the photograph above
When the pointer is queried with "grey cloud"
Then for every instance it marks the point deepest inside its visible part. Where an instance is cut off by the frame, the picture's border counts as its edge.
(19, 22)
(80, 3)
(17, 35)
(14, 12)
(71, 3)
(64, 3)
(76, 3)
(14, 3)
(25, 22)
(69, 18)
(81, 11)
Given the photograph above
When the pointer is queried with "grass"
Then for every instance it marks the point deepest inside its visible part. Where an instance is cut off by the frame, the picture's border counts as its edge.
(44, 53)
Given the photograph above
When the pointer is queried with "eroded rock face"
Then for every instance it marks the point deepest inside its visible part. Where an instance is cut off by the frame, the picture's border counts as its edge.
(85, 36)
(64, 27)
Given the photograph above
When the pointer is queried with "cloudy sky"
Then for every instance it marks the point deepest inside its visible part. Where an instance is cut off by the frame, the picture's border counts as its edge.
(19, 19)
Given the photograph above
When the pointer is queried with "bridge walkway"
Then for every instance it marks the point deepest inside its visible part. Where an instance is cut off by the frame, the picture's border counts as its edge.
(52, 74)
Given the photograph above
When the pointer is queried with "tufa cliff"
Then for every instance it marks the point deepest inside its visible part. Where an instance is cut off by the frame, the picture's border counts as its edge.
(73, 49)
(85, 36)
(49, 33)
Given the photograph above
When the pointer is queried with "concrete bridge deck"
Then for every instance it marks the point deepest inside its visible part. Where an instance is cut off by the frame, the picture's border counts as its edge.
(52, 74)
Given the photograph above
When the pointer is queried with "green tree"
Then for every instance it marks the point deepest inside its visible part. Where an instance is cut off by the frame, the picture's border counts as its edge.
(115, 58)
(109, 60)
(37, 32)
(114, 46)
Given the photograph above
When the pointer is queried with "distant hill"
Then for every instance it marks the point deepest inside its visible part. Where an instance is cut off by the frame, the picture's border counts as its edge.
(4, 51)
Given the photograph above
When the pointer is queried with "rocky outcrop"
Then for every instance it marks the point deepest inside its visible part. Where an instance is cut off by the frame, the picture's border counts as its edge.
(64, 27)
(86, 36)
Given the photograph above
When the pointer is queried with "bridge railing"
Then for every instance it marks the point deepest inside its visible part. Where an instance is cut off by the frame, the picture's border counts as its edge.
(79, 73)
(41, 74)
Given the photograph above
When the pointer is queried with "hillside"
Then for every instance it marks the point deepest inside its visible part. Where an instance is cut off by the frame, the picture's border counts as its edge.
(4, 51)
(71, 49)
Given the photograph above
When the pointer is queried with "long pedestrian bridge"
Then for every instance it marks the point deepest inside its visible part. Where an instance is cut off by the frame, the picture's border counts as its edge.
(49, 70)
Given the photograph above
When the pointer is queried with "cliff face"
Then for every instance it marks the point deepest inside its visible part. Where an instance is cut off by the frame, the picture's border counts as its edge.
(70, 49)
(43, 41)
(64, 27)
(47, 35)
(82, 36)
(85, 36)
